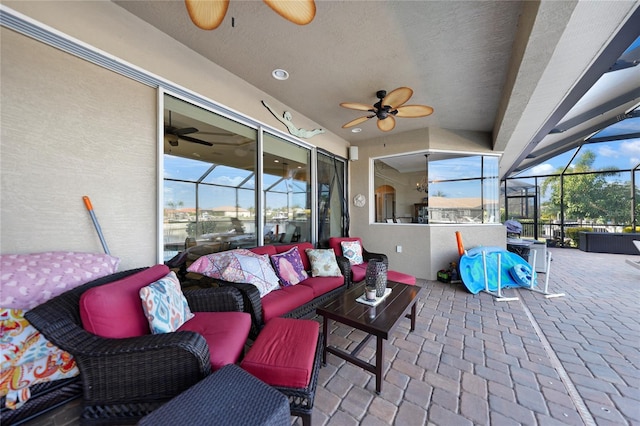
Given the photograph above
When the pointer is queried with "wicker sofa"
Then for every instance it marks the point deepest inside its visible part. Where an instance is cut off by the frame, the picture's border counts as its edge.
(123, 379)
(297, 301)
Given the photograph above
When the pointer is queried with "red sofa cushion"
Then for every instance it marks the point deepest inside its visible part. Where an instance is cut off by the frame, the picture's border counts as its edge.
(283, 353)
(225, 332)
(114, 310)
(322, 285)
(269, 250)
(279, 302)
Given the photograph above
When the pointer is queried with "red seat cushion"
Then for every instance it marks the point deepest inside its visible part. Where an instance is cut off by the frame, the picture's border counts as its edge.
(279, 302)
(399, 277)
(358, 272)
(322, 285)
(283, 353)
(225, 332)
(114, 310)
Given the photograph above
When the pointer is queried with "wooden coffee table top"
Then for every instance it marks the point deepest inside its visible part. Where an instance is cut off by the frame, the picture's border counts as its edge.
(376, 320)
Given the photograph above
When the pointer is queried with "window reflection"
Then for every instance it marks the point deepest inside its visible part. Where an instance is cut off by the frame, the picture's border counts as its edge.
(460, 188)
(209, 185)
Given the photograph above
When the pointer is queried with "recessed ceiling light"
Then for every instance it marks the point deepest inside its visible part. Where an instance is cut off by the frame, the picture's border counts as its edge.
(276, 161)
(280, 74)
(356, 130)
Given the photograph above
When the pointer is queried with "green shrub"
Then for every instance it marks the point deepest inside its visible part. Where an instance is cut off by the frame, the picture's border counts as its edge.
(574, 234)
(628, 229)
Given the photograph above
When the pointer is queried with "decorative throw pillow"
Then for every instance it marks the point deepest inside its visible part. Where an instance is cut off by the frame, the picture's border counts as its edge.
(164, 305)
(352, 250)
(28, 280)
(323, 263)
(288, 266)
(253, 269)
(213, 265)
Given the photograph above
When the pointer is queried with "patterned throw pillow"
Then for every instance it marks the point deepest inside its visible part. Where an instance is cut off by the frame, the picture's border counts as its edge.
(213, 265)
(288, 266)
(28, 280)
(254, 269)
(323, 263)
(352, 250)
(164, 305)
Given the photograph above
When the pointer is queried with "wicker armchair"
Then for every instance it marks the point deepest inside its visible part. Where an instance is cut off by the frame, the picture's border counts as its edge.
(125, 379)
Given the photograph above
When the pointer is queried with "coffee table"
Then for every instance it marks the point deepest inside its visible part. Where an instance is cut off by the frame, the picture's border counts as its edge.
(376, 321)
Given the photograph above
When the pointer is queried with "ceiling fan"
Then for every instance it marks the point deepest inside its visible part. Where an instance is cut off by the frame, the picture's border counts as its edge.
(388, 106)
(182, 134)
(208, 14)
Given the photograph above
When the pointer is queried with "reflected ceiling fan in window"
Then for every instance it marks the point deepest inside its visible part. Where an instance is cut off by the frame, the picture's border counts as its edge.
(208, 14)
(388, 106)
(174, 134)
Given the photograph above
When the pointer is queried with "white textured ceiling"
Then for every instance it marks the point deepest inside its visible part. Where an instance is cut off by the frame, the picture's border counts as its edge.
(495, 66)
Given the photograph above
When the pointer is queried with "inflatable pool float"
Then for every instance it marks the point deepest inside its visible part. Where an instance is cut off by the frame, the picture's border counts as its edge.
(472, 269)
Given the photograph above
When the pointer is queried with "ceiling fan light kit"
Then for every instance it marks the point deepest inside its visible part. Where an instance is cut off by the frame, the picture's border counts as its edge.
(388, 106)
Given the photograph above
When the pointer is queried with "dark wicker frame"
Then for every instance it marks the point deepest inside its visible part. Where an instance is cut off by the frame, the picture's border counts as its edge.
(45, 397)
(125, 379)
(253, 303)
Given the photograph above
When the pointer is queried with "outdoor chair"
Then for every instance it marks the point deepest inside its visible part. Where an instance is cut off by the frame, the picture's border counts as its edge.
(353, 249)
(126, 378)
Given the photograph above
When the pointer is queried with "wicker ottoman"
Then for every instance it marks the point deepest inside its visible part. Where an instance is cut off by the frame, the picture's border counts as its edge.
(287, 356)
(230, 396)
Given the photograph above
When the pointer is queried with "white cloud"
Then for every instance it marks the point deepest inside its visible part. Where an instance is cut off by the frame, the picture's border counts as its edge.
(542, 169)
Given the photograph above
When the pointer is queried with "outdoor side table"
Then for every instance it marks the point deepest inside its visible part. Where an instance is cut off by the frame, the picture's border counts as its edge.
(231, 397)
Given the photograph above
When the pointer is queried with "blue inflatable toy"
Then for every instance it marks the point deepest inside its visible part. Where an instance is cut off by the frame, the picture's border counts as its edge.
(514, 270)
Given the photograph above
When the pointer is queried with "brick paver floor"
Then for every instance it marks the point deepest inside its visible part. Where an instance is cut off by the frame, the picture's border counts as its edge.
(573, 360)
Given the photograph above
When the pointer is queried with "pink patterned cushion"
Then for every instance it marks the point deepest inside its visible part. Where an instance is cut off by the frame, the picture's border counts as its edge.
(213, 265)
(27, 280)
(253, 269)
(288, 266)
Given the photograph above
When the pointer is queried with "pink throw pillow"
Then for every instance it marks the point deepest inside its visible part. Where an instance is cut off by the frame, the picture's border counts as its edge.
(28, 280)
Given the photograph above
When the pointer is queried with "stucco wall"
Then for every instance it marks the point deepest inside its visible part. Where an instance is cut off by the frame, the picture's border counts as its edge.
(71, 128)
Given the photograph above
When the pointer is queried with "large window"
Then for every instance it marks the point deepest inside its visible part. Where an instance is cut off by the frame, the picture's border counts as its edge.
(287, 191)
(209, 180)
(436, 187)
(212, 176)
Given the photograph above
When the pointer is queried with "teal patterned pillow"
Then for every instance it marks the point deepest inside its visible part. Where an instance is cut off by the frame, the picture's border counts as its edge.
(164, 305)
(323, 263)
(352, 250)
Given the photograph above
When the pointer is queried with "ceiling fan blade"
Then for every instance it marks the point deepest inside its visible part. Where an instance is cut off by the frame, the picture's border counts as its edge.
(357, 121)
(299, 12)
(413, 111)
(194, 140)
(387, 124)
(357, 106)
(207, 14)
(397, 97)
(185, 131)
